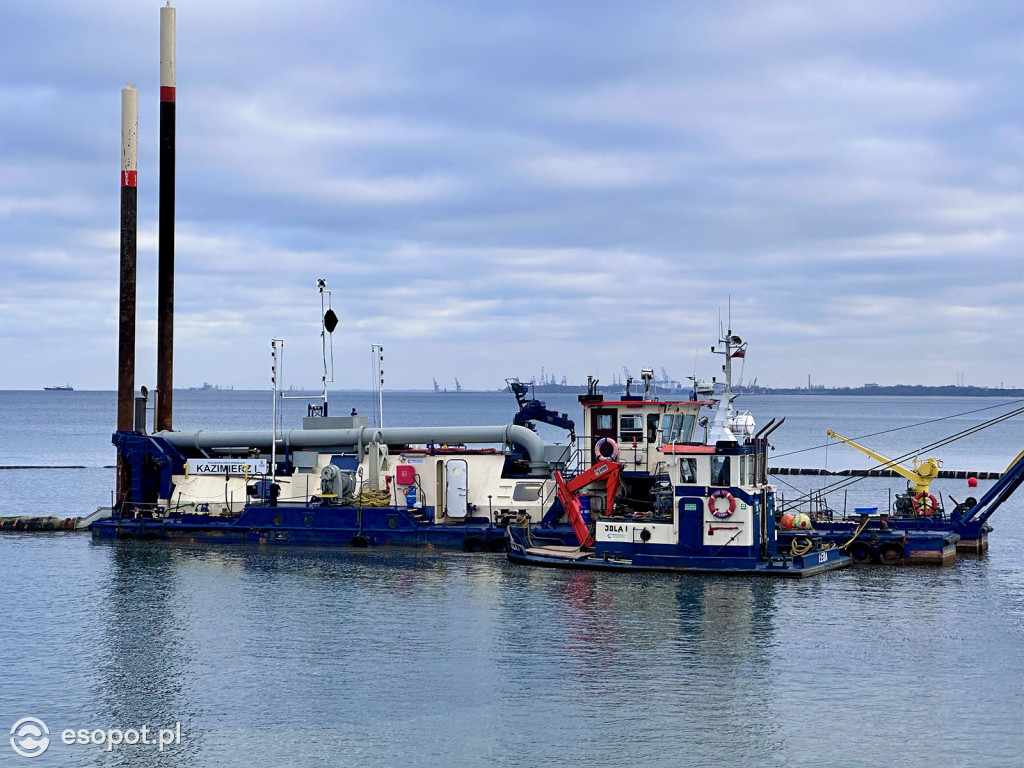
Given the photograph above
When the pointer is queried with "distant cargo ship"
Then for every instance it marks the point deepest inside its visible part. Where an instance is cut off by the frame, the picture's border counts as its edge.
(60, 388)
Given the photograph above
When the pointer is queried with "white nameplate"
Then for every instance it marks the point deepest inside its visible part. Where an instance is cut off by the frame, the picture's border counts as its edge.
(227, 466)
(614, 532)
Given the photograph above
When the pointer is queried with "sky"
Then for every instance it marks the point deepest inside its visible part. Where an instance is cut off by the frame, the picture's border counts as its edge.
(496, 189)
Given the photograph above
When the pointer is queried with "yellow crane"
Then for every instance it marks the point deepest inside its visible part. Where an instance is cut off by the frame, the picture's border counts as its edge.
(920, 477)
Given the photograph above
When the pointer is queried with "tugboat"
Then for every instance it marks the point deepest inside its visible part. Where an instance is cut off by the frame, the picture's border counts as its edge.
(668, 498)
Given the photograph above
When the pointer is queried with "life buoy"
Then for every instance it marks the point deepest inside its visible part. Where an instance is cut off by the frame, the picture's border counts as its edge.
(925, 504)
(721, 514)
(599, 449)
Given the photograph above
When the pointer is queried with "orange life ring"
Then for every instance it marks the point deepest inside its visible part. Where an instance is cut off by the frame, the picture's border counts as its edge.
(599, 454)
(925, 504)
(713, 508)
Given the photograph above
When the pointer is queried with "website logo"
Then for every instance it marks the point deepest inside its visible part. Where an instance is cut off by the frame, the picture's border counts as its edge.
(30, 737)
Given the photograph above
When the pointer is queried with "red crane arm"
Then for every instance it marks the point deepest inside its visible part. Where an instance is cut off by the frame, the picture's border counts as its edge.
(610, 472)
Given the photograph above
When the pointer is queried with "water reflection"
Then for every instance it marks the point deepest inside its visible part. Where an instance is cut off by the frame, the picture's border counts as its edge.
(378, 658)
(144, 673)
(639, 666)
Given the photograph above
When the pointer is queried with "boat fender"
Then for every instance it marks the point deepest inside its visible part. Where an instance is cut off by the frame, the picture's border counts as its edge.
(606, 448)
(925, 504)
(721, 514)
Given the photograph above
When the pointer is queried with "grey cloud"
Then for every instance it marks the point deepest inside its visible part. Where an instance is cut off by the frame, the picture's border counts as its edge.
(495, 182)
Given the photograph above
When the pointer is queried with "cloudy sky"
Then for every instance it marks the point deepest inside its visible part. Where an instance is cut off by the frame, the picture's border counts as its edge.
(490, 188)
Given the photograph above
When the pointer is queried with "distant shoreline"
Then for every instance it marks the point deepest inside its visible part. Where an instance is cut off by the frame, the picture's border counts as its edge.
(902, 390)
(897, 390)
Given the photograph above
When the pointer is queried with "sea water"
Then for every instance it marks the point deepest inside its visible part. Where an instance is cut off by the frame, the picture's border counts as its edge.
(239, 656)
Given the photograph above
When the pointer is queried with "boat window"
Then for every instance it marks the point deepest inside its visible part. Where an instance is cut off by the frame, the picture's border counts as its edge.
(750, 470)
(677, 427)
(652, 427)
(526, 492)
(604, 421)
(686, 433)
(677, 423)
(666, 428)
(720, 470)
(631, 425)
(688, 471)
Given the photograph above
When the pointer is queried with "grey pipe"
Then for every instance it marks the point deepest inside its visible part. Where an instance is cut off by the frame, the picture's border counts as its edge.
(357, 438)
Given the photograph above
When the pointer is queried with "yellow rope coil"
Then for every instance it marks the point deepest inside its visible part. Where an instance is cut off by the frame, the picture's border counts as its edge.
(379, 498)
(801, 546)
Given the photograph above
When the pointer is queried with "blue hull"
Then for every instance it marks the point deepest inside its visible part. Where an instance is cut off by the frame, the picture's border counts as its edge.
(874, 545)
(300, 524)
(520, 551)
(973, 533)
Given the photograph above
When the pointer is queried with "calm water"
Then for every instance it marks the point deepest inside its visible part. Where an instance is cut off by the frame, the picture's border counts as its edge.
(385, 658)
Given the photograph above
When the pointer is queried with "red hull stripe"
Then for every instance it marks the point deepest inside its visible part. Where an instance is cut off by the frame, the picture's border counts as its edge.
(166, 93)
(129, 178)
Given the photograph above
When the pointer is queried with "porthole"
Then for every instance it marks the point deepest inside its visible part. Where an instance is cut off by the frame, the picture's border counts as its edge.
(278, 520)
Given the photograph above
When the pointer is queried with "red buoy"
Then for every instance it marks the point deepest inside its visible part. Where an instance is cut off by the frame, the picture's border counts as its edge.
(972, 482)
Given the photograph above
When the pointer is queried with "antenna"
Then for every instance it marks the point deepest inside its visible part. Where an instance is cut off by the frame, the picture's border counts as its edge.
(328, 322)
(377, 363)
(277, 362)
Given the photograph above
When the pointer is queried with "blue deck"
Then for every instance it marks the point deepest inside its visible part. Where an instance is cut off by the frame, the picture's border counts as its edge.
(315, 525)
(875, 545)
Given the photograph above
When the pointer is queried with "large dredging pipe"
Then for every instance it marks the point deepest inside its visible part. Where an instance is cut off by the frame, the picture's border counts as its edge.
(361, 436)
(165, 238)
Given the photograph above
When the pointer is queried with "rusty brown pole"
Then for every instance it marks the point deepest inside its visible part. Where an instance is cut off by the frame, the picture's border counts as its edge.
(165, 240)
(126, 312)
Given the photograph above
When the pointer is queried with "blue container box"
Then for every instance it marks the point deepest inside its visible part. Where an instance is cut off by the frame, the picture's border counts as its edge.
(585, 509)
